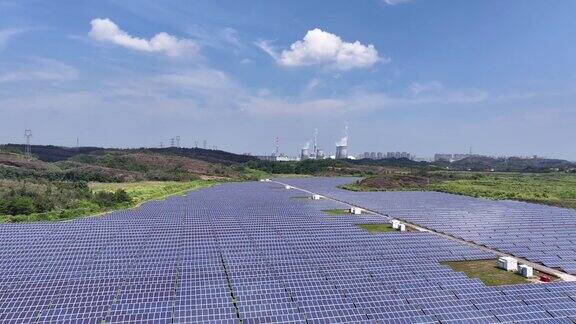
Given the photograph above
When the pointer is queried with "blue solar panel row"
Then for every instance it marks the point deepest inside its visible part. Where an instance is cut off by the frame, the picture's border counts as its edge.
(249, 252)
(542, 234)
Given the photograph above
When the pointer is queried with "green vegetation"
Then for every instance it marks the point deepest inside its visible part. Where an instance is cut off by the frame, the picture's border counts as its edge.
(336, 212)
(53, 184)
(325, 167)
(557, 189)
(487, 271)
(377, 228)
(151, 190)
(53, 201)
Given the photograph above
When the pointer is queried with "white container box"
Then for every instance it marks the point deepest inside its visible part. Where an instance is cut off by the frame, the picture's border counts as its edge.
(288, 187)
(508, 263)
(402, 227)
(316, 197)
(526, 271)
(395, 224)
(355, 210)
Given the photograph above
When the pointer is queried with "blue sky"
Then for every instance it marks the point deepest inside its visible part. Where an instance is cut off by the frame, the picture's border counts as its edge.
(422, 76)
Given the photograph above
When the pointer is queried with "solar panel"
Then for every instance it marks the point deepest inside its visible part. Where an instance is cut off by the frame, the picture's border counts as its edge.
(247, 252)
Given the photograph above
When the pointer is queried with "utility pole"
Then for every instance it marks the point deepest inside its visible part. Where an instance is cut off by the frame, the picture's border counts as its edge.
(28, 149)
(277, 151)
(77, 144)
(161, 144)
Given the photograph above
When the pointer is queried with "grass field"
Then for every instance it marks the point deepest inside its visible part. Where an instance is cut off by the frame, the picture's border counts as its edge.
(151, 190)
(487, 271)
(337, 212)
(377, 228)
(556, 189)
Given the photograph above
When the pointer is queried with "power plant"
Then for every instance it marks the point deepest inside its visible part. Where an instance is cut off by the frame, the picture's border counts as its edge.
(308, 153)
(305, 154)
(342, 146)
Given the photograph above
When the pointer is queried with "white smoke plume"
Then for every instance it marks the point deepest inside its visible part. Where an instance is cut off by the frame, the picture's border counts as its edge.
(344, 140)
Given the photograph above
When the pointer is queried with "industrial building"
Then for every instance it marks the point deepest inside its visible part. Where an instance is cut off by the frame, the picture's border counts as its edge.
(446, 157)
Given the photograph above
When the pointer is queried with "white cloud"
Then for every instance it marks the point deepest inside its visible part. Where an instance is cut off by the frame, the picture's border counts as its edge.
(434, 92)
(6, 35)
(395, 2)
(322, 48)
(312, 84)
(266, 47)
(40, 69)
(105, 30)
(428, 95)
(418, 88)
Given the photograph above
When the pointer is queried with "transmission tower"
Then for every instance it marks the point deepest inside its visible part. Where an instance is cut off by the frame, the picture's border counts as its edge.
(316, 143)
(196, 144)
(172, 142)
(28, 136)
(177, 141)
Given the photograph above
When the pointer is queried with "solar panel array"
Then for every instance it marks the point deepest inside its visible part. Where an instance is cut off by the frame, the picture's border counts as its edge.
(542, 234)
(249, 253)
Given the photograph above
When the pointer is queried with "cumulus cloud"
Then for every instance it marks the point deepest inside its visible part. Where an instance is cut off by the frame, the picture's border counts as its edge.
(322, 48)
(105, 30)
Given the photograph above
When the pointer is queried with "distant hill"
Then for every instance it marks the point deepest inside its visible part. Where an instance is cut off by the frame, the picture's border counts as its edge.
(483, 163)
(113, 165)
(51, 153)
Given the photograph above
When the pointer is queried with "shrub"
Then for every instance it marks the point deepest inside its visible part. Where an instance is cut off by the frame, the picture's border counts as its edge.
(111, 199)
(19, 206)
